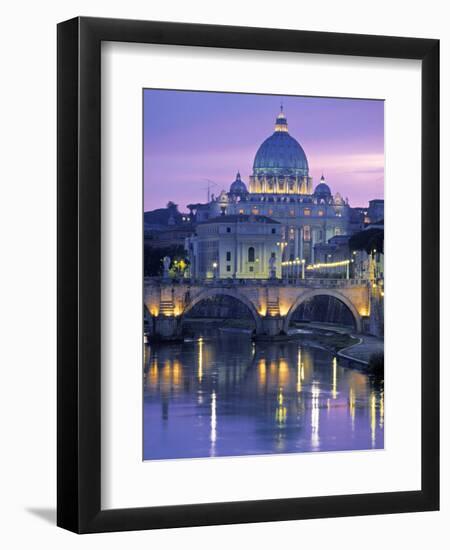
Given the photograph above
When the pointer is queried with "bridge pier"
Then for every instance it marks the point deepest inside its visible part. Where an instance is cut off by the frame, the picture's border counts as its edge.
(165, 328)
(272, 325)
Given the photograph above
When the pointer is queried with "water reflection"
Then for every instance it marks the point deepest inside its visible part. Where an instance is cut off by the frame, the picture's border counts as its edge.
(222, 395)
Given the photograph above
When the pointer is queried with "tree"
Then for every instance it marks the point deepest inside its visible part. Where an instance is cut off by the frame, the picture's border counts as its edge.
(153, 258)
(368, 240)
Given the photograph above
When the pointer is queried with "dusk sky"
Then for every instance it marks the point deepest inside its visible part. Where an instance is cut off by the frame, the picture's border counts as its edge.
(192, 137)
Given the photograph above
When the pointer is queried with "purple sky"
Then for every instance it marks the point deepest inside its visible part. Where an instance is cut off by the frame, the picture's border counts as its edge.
(190, 137)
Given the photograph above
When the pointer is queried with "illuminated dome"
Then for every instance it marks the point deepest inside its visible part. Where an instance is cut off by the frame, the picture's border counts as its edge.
(280, 154)
(238, 187)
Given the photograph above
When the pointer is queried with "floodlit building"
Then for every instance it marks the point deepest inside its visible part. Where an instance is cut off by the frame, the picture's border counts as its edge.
(280, 214)
(282, 189)
(238, 246)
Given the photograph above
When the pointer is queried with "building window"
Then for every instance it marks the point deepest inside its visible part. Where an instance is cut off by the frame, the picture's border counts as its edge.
(307, 212)
(255, 211)
(251, 254)
(320, 212)
(307, 233)
(337, 230)
(273, 255)
(228, 229)
(228, 268)
(292, 212)
(270, 212)
(241, 211)
(273, 230)
(250, 268)
(228, 256)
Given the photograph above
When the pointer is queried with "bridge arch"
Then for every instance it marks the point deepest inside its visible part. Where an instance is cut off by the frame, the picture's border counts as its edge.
(324, 292)
(210, 293)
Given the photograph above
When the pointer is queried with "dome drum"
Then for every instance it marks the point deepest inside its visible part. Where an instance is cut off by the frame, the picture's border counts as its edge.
(299, 185)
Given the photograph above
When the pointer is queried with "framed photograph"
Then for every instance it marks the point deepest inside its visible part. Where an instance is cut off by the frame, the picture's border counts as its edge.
(239, 340)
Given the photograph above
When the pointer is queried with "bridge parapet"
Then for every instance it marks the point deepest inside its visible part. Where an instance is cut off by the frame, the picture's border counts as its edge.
(227, 283)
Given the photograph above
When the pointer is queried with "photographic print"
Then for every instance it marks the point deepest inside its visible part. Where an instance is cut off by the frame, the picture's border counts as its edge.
(263, 264)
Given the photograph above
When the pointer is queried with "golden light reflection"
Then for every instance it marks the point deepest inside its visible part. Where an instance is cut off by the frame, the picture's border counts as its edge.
(176, 372)
(307, 365)
(200, 359)
(281, 410)
(262, 372)
(334, 383)
(153, 373)
(352, 406)
(170, 373)
(283, 372)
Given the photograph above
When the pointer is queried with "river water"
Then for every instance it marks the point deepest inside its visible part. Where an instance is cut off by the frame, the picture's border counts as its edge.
(223, 395)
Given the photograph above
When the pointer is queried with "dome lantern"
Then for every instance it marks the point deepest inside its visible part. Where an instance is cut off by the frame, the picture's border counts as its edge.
(281, 124)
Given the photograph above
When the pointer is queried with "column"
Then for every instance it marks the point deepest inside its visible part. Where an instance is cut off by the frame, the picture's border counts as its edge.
(296, 243)
(262, 259)
(241, 263)
(301, 243)
(313, 242)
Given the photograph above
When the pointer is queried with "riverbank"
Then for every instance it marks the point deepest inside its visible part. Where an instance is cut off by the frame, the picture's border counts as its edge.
(357, 349)
(363, 350)
(328, 337)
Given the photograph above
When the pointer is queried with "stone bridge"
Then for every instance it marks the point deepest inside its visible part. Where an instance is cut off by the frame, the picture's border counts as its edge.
(271, 302)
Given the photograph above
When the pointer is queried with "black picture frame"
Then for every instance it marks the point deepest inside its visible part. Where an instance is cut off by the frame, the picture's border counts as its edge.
(79, 280)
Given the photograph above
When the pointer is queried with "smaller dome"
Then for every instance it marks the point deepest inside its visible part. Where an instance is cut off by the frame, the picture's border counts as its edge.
(322, 188)
(238, 187)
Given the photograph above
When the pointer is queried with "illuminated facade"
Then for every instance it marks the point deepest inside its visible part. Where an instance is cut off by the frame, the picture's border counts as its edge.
(235, 246)
(281, 188)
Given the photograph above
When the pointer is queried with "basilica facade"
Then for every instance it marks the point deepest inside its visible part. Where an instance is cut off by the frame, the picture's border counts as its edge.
(281, 189)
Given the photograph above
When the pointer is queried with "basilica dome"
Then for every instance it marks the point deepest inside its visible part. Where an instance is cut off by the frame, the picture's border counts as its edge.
(238, 187)
(322, 189)
(280, 154)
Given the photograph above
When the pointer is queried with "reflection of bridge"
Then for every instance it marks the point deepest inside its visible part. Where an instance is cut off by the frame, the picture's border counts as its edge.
(271, 302)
